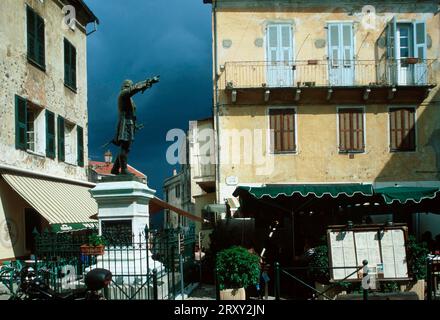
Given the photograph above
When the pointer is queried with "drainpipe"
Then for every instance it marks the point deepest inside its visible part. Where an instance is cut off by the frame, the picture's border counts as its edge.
(216, 100)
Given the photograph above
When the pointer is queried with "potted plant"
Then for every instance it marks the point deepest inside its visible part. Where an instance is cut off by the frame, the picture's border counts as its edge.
(237, 268)
(412, 60)
(94, 247)
(417, 255)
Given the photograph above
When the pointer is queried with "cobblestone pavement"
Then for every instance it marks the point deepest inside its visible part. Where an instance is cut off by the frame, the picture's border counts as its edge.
(204, 292)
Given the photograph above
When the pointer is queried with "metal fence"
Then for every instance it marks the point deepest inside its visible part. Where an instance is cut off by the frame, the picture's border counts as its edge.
(282, 274)
(433, 277)
(147, 266)
(323, 73)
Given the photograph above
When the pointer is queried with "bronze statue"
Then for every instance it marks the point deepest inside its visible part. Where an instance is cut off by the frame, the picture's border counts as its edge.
(127, 126)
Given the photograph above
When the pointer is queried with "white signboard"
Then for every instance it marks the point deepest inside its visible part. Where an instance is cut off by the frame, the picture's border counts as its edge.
(383, 249)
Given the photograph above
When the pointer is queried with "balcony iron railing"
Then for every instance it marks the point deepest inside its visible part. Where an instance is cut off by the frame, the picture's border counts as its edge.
(203, 170)
(325, 73)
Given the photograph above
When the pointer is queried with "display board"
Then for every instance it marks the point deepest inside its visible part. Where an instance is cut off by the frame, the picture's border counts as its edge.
(384, 249)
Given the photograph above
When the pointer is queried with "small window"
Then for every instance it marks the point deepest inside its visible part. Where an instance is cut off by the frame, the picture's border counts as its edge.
(351, 130)
(282, 126)
(178, 191)
(402, 129)
(34, 128)
(35, 38)
(69, 65)
(70, 143)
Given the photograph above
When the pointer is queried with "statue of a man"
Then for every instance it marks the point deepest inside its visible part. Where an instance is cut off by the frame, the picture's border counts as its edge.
(127, 126)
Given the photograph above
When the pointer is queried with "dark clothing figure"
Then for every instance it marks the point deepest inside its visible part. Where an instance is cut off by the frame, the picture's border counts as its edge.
(127, 126)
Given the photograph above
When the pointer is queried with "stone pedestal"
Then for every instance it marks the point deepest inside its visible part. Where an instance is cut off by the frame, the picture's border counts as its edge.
(124, 200)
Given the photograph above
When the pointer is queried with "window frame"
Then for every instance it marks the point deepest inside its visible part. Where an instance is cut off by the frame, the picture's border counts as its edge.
(271, 142)
(397, 150)
(39, 123)
(177, 191)
(364, 130)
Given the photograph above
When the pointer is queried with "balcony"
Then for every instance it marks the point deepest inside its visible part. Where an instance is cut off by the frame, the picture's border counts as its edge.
(204, 173)
(311, 80)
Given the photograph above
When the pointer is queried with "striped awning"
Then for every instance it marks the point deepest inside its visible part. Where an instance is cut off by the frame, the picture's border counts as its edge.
(60, 203)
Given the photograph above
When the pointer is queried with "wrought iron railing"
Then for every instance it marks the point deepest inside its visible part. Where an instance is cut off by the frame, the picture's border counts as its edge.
(147, 266)
(334, 73)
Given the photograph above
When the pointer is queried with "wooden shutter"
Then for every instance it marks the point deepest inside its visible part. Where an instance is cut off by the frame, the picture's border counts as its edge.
(420, 51)
(20, 123)
(80, 137)
(61, 134)
(402, 129)
(333, 44)
(40, 42)
(73, 66)
(273, 43)
(420, 43)
(35, 37)
(282, 122)
(347, 43)
(286, 43)
(351, 130)
(69, 64)
(66, 62)
(50, 134)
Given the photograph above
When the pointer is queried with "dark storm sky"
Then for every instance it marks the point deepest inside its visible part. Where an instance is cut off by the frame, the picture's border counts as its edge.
(142, 38)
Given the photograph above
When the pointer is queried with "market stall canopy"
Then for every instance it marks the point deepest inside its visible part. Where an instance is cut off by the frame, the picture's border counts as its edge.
(66, 206)
(318, 190)
(406, 194)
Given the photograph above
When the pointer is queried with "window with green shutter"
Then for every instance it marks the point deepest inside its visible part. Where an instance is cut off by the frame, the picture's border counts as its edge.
(50, 134)
(80, 136)
(35, 38)
(20, 123)
(69, 65)
(61, 139)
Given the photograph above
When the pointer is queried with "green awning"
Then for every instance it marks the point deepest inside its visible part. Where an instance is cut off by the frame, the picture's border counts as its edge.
(318, 190)
(71, 227)
(405, 194)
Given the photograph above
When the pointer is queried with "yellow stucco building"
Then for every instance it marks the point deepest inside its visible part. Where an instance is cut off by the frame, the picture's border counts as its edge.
(315, 95)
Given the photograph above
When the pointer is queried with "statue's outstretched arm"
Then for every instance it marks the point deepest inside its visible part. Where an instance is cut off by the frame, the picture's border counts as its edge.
(140, 87)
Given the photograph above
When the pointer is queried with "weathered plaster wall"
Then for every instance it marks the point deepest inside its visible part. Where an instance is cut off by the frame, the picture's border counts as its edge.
(318, 158)
(46, 89)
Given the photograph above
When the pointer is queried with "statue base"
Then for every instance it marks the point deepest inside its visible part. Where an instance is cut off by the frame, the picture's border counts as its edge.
(123, 205)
